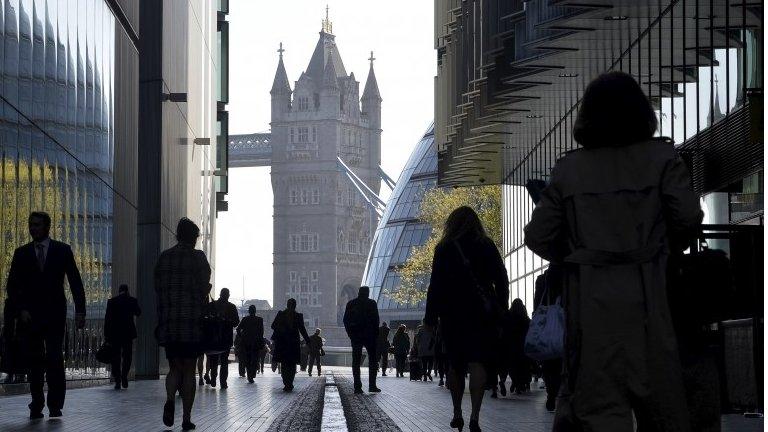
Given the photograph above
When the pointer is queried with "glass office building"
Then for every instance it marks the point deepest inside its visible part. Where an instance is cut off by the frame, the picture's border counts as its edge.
(511, 75)
(399, 231)
(65, 67)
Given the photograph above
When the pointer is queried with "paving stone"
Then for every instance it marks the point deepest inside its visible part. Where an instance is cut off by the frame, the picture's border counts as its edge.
(305, 413)
(362, 411)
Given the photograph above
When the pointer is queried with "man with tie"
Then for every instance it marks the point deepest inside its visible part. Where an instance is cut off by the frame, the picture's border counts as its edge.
(36, 288)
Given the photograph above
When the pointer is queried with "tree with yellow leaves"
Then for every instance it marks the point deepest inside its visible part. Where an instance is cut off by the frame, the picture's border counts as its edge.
(435, 208)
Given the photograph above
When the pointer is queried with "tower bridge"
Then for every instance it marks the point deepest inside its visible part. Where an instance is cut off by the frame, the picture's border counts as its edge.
(324, 150)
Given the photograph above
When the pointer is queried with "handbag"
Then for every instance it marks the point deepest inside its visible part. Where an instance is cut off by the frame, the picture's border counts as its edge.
(546, 333)
(105, 353)
(487, 294)
(322, 352)
(215, 328)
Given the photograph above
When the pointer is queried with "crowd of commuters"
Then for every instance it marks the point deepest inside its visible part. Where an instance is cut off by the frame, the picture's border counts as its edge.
(608, 220)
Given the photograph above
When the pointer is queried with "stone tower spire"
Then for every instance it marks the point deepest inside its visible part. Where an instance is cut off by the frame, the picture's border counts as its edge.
(371, 100)
(281, 90)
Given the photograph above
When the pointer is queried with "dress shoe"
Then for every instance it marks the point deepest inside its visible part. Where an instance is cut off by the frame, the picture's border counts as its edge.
(200, 382)
(224, 386)
(124, 382)
(374, 390)
(168, 412)
(188, 425)
(117, 386)
(474, 426)
(34, 415)
(250, 380)
(457, 423)
(358, 391)
(54, 412)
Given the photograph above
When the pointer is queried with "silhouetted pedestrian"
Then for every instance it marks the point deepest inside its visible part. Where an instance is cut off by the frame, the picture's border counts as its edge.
(267, 349)
(288, 326)
(382, 347)
(425, 343)
(549, 288)
(315, 351)
(402, 344)
(361, 321)
(609, 212)
(120, 331)
(516, 328)
(251, 334)
(468, 291)
(182, 284)
(36, 291)
(440, 361)
(219, 363)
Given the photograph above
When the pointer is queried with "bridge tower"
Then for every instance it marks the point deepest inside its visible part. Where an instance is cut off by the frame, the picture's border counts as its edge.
(322, 226)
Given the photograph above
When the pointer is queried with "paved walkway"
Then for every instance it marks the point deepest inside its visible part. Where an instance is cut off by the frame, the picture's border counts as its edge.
(402, 405)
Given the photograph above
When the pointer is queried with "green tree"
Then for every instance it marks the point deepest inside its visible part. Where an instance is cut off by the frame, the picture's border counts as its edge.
(435, 208)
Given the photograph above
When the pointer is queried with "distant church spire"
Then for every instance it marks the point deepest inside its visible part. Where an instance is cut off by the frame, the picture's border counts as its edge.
(371, 86)
(281, 83)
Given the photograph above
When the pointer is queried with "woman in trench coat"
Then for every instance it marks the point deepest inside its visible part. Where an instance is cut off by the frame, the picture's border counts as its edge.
(610, 213)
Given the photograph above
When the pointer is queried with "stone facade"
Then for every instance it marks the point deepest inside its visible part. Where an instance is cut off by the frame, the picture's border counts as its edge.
(322, 225)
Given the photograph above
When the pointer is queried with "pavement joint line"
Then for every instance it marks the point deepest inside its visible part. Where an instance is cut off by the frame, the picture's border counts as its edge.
(333, 418)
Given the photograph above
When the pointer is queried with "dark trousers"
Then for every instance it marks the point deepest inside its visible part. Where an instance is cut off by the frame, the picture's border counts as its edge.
(551, 371)
(124, 355)
(426, 365)
(288, 373)
(241, 361)
(217, 361)
(384, 362)
(47, 341)
(314, 359)
(400, 364)
(250, 360)
(357, 355)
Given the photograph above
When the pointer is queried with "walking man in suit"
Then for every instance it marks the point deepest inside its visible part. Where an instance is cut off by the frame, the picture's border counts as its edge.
(361, 321)
(120, 331)
(36, 287)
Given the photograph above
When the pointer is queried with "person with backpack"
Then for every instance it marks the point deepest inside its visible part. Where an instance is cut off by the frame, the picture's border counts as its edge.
(609, 214)
(547, 290)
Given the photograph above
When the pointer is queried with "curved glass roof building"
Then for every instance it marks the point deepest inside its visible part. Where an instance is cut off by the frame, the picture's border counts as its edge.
(400, 230)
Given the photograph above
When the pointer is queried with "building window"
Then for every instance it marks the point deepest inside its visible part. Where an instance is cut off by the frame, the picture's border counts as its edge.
(304, 243)
(313, 275)
(304, 196)
(315, 196)
(314, 134)
(303, 104)
(292, 141)
(294, 196)
(353, 245)
(303, 135)
(339, 197)
(292, 276)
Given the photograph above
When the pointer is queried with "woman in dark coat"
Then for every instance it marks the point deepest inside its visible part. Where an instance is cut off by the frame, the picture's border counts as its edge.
(468, 290)
(519, 366)
(609, 213)
(402, 344)
(288, 326)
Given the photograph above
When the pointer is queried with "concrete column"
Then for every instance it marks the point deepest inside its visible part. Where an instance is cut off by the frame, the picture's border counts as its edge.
(149, 230)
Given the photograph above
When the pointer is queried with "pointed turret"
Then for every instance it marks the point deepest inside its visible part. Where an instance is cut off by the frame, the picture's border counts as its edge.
(330, 79)
(371, 100)
(371, 90)
(281, 90)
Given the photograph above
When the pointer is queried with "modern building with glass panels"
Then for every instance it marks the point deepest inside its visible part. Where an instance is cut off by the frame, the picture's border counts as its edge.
(511, 74)
(75, 143)
(399, 232)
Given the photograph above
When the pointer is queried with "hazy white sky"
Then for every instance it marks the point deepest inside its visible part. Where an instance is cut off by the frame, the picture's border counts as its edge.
(400, 32)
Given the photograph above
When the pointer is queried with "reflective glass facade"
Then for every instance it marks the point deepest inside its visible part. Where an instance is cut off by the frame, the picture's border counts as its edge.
(57, 145)
(507, 96)
(400, 230)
